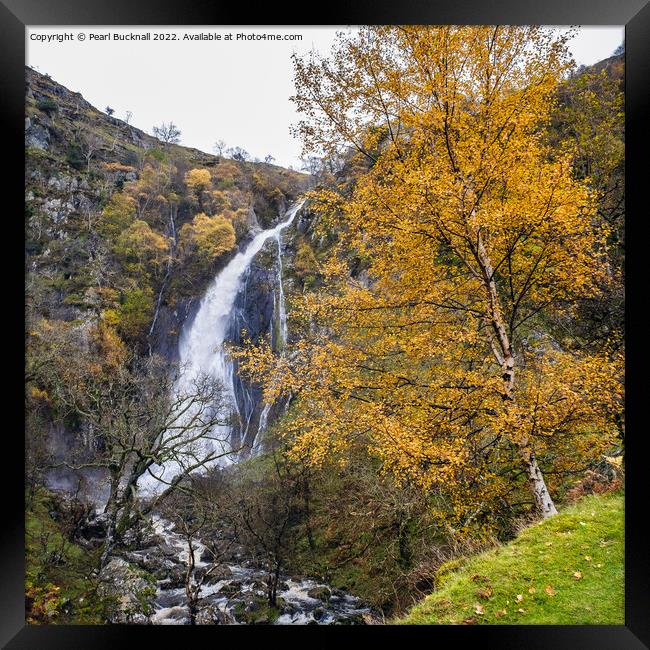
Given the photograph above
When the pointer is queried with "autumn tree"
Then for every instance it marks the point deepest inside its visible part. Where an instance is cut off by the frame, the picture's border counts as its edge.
(152, 193)
(207, 238)
(470, 231)
(142, 251)
(118, 214)
(198, 181)
(589, 114)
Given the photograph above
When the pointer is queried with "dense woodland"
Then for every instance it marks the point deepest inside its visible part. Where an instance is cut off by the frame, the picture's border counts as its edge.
(453, 369)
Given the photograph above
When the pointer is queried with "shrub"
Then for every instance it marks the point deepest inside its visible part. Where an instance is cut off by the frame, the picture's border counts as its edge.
(48, 106)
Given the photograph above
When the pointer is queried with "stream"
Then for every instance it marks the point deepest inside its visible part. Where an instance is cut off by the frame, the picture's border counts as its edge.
(236, 593)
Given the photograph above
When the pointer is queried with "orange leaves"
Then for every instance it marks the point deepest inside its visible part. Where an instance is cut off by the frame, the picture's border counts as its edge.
(398, 349)
(486, 593)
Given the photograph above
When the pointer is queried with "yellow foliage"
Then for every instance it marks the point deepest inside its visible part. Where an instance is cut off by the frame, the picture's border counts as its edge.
(198, 179)
(469, 228)
(118, 214)
(207, 237)
(141, 249)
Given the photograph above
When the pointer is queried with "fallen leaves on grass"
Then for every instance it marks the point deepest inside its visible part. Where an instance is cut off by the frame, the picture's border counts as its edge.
(485, 593)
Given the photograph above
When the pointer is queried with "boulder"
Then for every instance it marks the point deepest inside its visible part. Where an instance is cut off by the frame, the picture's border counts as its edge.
(130, 589)
(37, 137)
(320, 593)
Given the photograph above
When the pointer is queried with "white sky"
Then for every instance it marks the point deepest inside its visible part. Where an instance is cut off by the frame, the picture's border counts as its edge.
(237, 91)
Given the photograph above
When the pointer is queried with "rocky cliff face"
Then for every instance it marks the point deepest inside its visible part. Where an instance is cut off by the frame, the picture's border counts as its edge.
(255, 311)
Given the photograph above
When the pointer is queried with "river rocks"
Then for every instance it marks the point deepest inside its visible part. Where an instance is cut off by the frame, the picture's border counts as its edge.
(231, 589)
(255, 610)
(207, 555)
(320, 593)
(174, 578)
(217, 574)
(211, 615)
(130, 589)
(94, 528)
(352, 619)
(237, 592)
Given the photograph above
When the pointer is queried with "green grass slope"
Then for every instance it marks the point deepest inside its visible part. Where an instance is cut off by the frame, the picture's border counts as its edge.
(565, 570)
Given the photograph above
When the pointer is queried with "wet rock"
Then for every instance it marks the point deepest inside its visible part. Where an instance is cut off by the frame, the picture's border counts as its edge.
(94, 528)
(169, 599)
(255, 610)
(173, 578)
(320, 593)
(178, 615)
(231, 589)
(259, 586)
(222, 572)
(130, 589)
(351, 619)
(211, 615)
(167, 549)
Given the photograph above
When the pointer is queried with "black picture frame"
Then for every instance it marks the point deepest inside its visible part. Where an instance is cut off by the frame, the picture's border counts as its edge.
(16, 14)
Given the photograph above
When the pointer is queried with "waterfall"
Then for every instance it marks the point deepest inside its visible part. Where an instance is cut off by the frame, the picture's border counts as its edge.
(201, 350)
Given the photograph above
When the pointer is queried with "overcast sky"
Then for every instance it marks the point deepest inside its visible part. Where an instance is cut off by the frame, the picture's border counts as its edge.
(237, 90)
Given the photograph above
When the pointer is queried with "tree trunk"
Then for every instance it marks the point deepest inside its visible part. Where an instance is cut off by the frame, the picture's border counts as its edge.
(503, 353)
(111, 510)
(538, 487)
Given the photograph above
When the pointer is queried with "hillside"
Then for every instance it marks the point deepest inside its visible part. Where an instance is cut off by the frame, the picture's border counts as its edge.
(85, 168)
(563, 571)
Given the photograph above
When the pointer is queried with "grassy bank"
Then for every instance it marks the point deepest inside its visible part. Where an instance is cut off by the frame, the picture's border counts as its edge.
(566, 570)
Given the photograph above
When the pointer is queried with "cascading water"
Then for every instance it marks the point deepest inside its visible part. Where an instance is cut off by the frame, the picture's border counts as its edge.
(201, 350)
(238, 585)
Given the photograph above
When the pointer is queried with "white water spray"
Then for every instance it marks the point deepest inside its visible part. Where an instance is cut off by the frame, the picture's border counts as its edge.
(201, 349)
